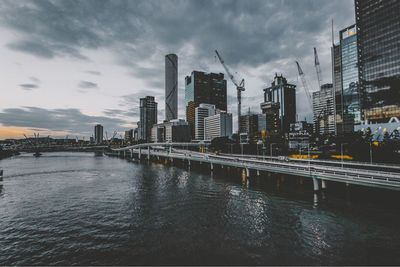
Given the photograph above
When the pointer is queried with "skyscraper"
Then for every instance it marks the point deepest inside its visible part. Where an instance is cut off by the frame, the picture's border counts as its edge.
(171, 87)
(208, 88)
(98, 134)
(148, 117)
(324, 110)
(283, 93)
(378, 25)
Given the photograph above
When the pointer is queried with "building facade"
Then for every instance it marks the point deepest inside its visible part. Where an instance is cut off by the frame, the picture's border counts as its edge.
(249, 124)
(378, 25)
(171, 87)
(208, 88)
(128, 138)
(351, 98)
(285, 94)
(201, 112)
(98, 134)
(148, 117)
(299, 135)
(324, 110)
(177, 131)
(218, 125)
(271, 111)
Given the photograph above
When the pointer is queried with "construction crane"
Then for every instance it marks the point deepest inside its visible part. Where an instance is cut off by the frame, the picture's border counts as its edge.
(317, 67)
(239, 87)
(305, 84)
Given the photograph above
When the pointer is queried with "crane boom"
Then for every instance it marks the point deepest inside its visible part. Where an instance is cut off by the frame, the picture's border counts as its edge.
(239, 87)
(305, 85)
(317, 67)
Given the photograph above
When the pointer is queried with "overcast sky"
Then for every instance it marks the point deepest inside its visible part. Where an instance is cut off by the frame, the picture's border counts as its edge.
(67, 65)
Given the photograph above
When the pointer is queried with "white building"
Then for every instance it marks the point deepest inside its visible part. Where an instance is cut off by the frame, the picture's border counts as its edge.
(324, 110)
(201, 112)
(218, 125)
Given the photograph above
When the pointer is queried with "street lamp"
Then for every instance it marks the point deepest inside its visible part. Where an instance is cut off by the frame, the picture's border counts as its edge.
(341, 152)
(370, 152)
(270, 148)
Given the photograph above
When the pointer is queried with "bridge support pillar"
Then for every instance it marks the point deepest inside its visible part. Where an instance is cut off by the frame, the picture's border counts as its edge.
(211, 167)
(323, 184)
(140, 153)
(247, 172)
(124, 153)
(148, 153)
(315, 184)
(131, 153)
(258, 172)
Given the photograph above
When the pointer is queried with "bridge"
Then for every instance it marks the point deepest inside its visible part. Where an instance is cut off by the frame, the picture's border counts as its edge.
(371, 175)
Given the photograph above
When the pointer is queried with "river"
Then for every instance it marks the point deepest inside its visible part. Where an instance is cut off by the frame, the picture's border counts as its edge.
(78, 209)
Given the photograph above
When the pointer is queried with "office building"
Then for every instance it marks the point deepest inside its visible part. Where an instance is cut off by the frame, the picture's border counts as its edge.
(271, 110)
(378, 26)
(128, 136)
(285, 94)
(201, 112)
(218, 125)
(148, 117)
(207, 88)
(158, 133)
(177, 131)
(249, 124)
(171, 87)
(350, 80)
(299, 135)
(98, 134)
(324, 110)
(337, 86)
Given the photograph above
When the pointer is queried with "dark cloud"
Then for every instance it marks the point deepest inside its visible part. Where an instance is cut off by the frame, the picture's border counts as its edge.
(94, 72)
(87, 85)
(249, 34)
(70, 120)
(28, 86)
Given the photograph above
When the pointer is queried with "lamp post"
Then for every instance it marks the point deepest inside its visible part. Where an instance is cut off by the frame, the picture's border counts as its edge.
(370, 152)
(270, 148)
(341, 152)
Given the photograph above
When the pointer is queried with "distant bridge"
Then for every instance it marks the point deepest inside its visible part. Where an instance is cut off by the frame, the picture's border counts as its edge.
(387, 177)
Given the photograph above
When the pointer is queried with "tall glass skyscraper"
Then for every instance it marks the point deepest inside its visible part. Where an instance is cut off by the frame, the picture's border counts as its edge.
(350, 79)
(207, 88)
(378, 26)
(171, 87)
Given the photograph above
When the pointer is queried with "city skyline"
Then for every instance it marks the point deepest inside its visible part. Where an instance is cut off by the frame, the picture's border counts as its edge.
(69, 75)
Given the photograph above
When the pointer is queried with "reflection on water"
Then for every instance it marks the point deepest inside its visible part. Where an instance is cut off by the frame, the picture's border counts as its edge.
(82, 209)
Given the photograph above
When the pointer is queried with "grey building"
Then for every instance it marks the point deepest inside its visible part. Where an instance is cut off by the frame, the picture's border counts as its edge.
(271, 111)
(249, 124)
(285, 94)
(177, 131)
(148, 117)
(324, 110)
(98, 134)
(201, 112)
(208, 88)
(218, 125)
(171, 87)
(299, 135)
(128, 136)
(378, 26)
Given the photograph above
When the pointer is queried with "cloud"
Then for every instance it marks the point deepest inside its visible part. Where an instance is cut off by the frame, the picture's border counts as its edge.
(267, 36)
(86, 86)
(28, 86)
(65, 120)
(94, 72)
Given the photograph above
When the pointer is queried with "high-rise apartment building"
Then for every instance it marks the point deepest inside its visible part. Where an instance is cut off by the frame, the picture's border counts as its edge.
(201, 112)
(171, 87)
(324, 110)
(208, 88)
(148, 117)
(249, 124)
(285, 94)
(219, 125)
(378, 26)
(98, 134)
